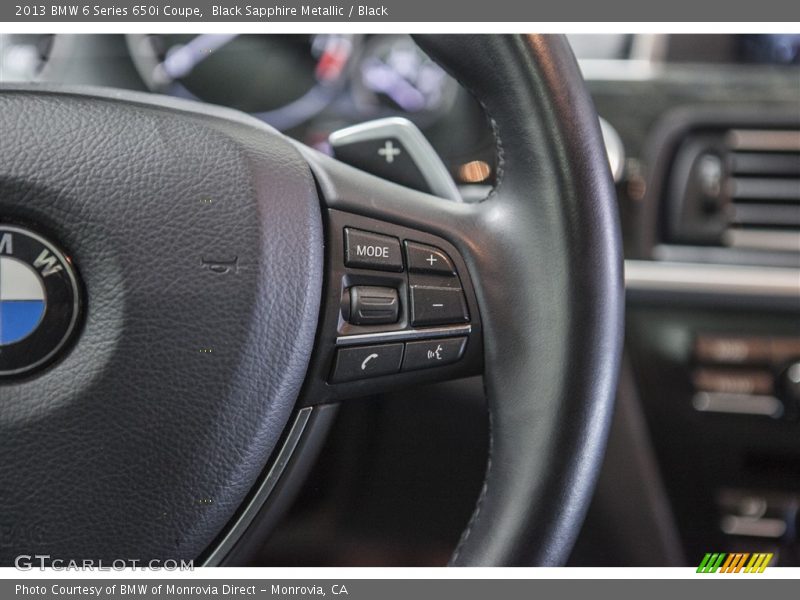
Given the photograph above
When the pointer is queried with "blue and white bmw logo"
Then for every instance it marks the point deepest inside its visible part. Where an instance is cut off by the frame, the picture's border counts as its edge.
(39, 301)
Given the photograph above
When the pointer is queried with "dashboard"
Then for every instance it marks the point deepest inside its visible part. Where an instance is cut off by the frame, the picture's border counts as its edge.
(304, 85)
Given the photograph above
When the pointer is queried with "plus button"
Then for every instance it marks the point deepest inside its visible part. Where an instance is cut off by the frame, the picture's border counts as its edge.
(389, 151)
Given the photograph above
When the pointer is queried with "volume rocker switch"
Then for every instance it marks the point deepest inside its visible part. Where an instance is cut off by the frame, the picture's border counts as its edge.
(372, 305)
(437, 305)
(428, 259)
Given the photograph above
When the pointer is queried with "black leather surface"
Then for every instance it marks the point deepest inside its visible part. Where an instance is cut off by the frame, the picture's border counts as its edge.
(140, 444)
(546, 256)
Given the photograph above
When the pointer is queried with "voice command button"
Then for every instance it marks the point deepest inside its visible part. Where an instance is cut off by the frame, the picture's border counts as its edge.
(433, 353)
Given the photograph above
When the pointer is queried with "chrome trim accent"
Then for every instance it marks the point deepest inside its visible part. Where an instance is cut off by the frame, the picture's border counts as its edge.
(753, 527)
(264, 490)
(649, 275)
(763, 239)
(419, 148)
(645, 61)
(614, 69)
(404, 335)
(651, 47)
(765, 140)
(738, 404)
(615, 149)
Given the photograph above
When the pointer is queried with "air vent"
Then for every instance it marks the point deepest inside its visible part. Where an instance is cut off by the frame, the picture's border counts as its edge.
(738, 188)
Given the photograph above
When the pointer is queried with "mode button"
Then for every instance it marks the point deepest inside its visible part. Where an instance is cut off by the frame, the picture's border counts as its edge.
(366, 250)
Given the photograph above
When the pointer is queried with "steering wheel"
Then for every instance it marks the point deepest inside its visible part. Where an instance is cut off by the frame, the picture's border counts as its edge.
(212, 259)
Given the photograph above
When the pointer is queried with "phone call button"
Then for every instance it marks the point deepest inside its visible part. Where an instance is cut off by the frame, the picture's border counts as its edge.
(367, 361)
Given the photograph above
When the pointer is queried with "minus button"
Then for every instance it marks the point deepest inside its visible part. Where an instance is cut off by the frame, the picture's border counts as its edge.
(438, 305)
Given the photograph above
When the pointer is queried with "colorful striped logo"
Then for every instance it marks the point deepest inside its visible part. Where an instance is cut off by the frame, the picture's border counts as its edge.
(39, 301)
(22, 300)
(737, 562)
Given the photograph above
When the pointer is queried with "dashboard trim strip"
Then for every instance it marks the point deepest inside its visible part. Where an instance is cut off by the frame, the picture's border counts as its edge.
(404, 335)
(741, 280)
(264, 490)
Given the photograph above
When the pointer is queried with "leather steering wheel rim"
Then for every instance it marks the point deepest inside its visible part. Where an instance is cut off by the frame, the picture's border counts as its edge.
(544, 253)
(175, 436)
(553, 339)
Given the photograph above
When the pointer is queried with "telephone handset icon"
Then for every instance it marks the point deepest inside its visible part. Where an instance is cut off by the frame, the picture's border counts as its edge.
(366, 360)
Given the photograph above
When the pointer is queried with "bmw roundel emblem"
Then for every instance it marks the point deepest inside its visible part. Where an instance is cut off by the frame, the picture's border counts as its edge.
(39, 301)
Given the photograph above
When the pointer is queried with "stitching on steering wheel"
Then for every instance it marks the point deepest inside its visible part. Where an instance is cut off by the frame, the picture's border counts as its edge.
(475, 513)
(498, 142)
(500, 154)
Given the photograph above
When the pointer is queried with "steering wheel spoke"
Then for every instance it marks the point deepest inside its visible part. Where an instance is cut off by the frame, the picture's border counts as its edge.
(399, 307)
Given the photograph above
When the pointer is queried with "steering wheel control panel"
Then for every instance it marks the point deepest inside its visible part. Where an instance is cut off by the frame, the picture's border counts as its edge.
(398, 308)
(437, 299)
